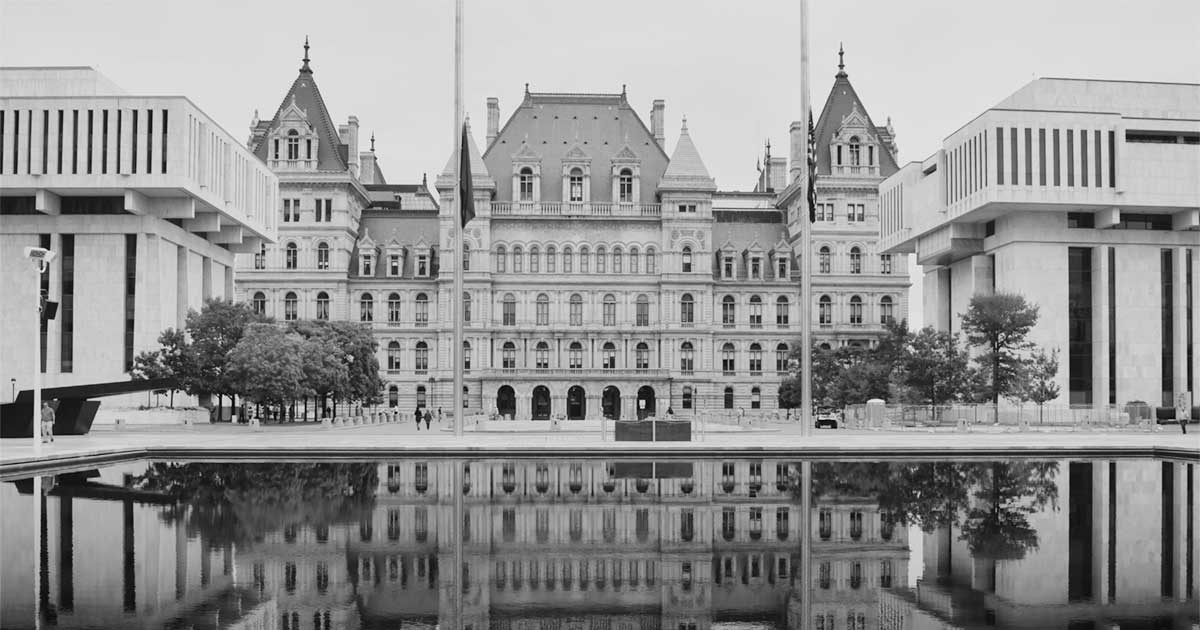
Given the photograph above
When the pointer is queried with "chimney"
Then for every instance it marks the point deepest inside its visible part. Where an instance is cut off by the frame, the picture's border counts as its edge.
(656, 123)
(799, 159)
(777, 166)
(493, 119)
(349, 137)
(367, 174)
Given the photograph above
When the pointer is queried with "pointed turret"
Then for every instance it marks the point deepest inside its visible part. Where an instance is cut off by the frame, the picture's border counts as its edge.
(686, 171)
(480, 178)
(845, 115)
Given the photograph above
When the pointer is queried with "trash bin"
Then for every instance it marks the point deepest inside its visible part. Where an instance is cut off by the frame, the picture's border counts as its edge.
(1138, 410)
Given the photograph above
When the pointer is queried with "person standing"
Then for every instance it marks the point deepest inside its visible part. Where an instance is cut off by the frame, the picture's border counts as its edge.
(428, 418)
(439, 418)
(47, 422)
(417, 417)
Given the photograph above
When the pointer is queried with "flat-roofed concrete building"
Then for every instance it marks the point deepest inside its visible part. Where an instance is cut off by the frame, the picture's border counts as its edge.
(145, 199)
(1082, 196)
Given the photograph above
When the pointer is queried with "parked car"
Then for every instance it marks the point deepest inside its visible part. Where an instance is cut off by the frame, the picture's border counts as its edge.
(826, 418)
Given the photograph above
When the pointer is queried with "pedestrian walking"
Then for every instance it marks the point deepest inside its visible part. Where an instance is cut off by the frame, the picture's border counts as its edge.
(439, 418)
(417, 417)
(428, 418)
(47, 422)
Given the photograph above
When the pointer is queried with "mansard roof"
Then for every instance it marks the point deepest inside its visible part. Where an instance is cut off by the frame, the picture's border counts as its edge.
(686, 170)
(843, 101)
(332, 155)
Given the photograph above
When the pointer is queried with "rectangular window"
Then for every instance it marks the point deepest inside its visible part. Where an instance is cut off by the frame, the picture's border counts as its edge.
(1, 141)
(163, 152)
(999, 155)
(1083, 159)
(46, 140)
(1012, 158)
(1041, 157)
(1070, 157)
(394, 265)
(1028, 156)
(1057, 180)
(66, 309)
(74, 141)
(688, 208)
(1168, 328)
(1099, 159)
(1189, 327)
(1079, 317)
(44, 288)
(287, 210)
(643, 313)
(1112, 325)
(989, 228)
(1081, 220)
(60, 142)
(133, 144)
(610, 314)
(543, 313)
(149, 140)
(90, 134)
(130, 297)
(1112, 159)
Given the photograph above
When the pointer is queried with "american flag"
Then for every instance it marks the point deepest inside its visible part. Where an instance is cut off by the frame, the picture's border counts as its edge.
(812, 170)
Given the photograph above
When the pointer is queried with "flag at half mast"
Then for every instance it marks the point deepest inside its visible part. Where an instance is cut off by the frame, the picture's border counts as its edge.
(466, 198)
(812, 170)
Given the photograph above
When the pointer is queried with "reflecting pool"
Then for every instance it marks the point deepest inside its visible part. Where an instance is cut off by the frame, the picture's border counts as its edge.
(548, 544)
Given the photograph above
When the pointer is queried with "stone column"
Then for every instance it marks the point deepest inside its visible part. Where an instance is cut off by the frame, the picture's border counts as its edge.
(1179, 320)
(1100, 323)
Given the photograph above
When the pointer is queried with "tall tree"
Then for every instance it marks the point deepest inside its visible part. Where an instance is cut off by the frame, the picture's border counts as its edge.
(172, 360)
(934, 368)
(215, 330)
(1038, 382)
(999, 323)
(267, 365)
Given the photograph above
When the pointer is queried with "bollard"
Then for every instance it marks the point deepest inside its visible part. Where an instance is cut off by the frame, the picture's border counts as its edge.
(962, 424)
(325, 422)
(875, 413)
(119, 424)
(255, 424)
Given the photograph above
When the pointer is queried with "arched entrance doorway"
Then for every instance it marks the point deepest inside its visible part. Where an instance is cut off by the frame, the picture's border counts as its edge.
(645, 401)
(506, 401)
(541, 403)
(393, 396)
(610, 403)
(576, 403)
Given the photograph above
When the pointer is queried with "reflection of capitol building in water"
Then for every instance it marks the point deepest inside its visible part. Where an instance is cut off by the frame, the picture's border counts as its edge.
(582, 545)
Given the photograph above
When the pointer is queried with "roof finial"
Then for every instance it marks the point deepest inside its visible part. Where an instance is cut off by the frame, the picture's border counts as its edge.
(526, 88)
(622, 90)
(841, 61)
(684, 130)
(768, 148)
(372, 142)
(305, 67)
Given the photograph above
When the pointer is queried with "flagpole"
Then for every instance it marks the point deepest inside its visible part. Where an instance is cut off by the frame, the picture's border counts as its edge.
(806, 264)
(456, 352)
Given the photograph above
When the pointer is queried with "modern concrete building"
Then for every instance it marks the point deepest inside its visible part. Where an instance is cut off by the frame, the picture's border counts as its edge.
(145, 200)
(1082, 196)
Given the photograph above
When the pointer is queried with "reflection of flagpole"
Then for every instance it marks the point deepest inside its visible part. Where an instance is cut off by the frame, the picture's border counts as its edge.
(806, 258)
(806, 537)
(456, 305)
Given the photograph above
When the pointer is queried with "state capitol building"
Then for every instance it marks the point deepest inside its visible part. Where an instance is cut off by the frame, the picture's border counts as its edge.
(605, 272)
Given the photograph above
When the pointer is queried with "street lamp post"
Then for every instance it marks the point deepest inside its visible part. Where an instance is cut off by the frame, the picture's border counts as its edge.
(41, 259)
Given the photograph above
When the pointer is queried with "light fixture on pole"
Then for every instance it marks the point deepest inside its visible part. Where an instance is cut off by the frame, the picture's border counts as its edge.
(41, 259)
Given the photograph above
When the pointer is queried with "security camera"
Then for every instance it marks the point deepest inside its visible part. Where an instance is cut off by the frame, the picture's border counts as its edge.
(40, 254)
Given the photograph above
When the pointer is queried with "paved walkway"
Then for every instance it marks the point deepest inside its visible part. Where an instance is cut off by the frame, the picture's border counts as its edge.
(367, 442)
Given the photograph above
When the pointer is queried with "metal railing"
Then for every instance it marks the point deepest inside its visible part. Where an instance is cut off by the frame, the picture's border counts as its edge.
(580, 209)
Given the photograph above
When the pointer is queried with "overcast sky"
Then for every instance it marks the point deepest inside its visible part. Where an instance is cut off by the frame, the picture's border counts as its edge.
(732, 66)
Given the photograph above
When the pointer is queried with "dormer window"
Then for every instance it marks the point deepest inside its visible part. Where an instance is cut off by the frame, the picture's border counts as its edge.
(525, 182)
(756, 268)
(625, 186)
(781, 268)
(394, 265)
(422, 265)
(293, 145)
(366, 264)
(575, 183)
(727, 267)
(855, 151)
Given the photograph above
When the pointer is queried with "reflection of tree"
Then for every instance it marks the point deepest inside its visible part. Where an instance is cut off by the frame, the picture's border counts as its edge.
(931, 495)
(237, 503)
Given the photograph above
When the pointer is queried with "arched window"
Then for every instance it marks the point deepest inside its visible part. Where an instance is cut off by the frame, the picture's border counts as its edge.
(610, 310)
(535, 261)
(728, 359)
(687, 306)
(641, 354)
(551, 258)
(323, 256)
(755, 398)
(584, 254)
(421, 402)
(855, 260)
(650, 266)
(260, 258)
(291, 255)
(886, 310)
(501, 259)
(576, 185)
(755, 311)
(293, 145)
(541, 356)
(568, 259)
(601, 255)
(466, 307)
(728, 398)
(633, 259)
(687, 357)
(518, 259)
(259, 303)
(687, 260)
(526, 184)
(608, 356)
(728, 311)
(322, 305)
(289, 307)
(393, 356)
(687, 397)
(781, 358)
(466, 258)
(543, 310)
(855, 151)
(421, 364)
(823, 257)
(755, 359)
(466, 361)
(576, 310)
(393, 308)
(825, 310)
(643, 311)
(782, 308)
(508, 355)
(625, 186)
(366, 308)
(856, 310)
(575, 356)
(616, 257)
(422, 310)
(510, 310)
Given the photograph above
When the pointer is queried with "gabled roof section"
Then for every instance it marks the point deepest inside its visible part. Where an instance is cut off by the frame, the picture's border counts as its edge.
(842, 102)
(331, 153)
(479, 172)
(686, 170)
